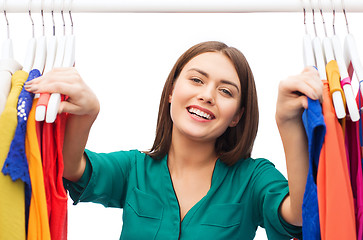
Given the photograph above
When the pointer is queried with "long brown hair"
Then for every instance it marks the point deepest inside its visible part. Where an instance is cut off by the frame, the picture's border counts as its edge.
(236, 142)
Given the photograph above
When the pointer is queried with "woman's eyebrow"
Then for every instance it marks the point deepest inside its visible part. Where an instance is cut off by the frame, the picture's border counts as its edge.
(207, 76)
(200, 71)
(230, 83)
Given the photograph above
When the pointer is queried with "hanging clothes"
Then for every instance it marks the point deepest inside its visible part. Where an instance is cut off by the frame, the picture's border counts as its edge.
(336, 207)
(355, 170)
(52, 145)
(16, 163)
(12, 205)
(38, 213)
(315, 130)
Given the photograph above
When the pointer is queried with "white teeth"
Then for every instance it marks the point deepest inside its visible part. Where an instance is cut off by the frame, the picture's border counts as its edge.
(200, 113)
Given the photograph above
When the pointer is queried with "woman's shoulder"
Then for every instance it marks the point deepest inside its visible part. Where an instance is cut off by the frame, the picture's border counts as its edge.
(251, 167)
(252, 163)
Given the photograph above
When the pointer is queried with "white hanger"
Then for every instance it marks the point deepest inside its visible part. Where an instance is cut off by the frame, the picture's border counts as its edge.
(309, 59)
(7, 50)
(7, 68)
(329, 56)
(69, 56)
(318, 53)
(319, 57)
(51, 49)
(347, 88)
(41, 51)
(30, 53)
(40, 110)
(7, 53)
(351, 55)
(67, 61)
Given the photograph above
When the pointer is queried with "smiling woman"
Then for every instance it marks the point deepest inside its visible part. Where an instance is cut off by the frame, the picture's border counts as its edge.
(204, 72)
(201, 153)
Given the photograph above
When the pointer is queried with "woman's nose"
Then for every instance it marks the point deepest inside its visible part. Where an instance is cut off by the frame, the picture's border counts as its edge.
(207, 96)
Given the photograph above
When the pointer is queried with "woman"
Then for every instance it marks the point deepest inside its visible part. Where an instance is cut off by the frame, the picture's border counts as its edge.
(198, 180)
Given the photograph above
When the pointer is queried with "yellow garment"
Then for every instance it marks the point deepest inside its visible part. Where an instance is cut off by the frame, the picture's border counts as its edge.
(38, 228)
(333, 75)
(12, 196)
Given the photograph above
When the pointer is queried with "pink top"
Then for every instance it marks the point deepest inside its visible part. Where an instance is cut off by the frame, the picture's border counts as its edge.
(354, 145)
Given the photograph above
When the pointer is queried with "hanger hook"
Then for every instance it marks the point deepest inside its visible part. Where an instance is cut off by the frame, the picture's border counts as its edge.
(6, 19)
(42, 13)
(304, 11)
(322, 17)
(332, 2)
(31, 18)
(70, 15)
(53, 17)
(345, 16)
(306, 29)
(313, 12)
(64, 23)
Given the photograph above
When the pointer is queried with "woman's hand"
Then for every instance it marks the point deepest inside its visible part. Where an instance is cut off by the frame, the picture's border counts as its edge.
(291, 101)
(293, 93)
(83, 105)
(67, 81)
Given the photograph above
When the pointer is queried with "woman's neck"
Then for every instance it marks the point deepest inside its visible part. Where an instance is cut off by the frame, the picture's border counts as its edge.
(189, 155)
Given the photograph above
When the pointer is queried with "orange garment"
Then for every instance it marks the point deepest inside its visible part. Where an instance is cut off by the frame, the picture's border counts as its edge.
(12, 196)
(335, 198)
(38, 228)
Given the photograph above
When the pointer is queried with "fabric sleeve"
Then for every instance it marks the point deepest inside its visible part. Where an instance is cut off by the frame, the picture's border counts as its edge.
(270, 188)
(104, 180)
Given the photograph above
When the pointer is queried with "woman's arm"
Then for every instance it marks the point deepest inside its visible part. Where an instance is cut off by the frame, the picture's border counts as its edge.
(291, 102)
(83, 106)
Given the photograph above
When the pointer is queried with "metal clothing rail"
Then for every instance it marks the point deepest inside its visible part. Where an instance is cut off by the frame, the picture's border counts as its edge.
(182, 6)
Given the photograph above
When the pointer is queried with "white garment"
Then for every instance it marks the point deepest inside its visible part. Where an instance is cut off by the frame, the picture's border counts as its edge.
(7, 68)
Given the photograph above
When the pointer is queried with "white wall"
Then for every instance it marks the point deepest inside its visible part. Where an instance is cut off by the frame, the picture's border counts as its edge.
(125, 59)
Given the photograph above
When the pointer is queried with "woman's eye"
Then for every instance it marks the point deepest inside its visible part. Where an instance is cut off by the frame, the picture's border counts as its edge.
(197, 80)
(225, 91)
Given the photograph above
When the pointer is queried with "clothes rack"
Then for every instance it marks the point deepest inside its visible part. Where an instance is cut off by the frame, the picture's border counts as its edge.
(185, 6)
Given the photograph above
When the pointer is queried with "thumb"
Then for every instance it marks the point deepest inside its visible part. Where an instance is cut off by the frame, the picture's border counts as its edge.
(303, 101)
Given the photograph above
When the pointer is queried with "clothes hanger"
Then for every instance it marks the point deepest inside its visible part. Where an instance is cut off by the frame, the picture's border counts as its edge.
(51, 49)
(345, 79)
(41, 51)
(41, 108)
(69, 56)
(7, 52)
(329, 56)
(318, 52)
(7, 66)
(7, 48)
(308, 52)
(68, 61)
(30, 53)
(351, 54)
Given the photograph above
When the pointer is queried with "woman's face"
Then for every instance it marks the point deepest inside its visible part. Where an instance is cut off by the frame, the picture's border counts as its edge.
(206, 97)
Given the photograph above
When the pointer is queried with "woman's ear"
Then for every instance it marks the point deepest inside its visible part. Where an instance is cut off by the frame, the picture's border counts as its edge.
(236, 118)
(170, 96)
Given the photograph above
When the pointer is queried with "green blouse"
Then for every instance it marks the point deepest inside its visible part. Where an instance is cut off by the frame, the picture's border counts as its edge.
(241, 198)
